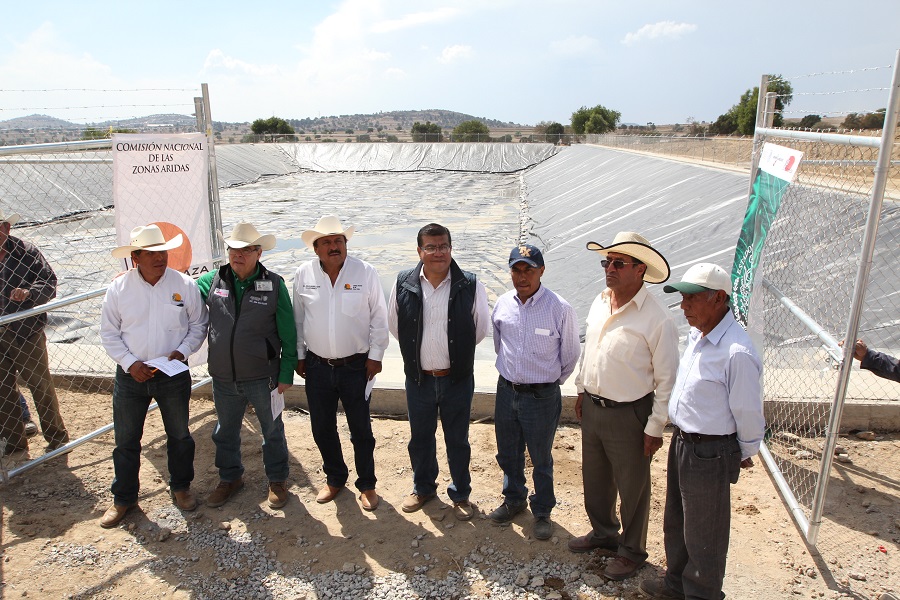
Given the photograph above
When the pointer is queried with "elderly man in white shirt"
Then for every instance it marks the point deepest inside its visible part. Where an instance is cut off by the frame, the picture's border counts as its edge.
(627, 371)
(717, 411)
(151, 311)
(342, 334)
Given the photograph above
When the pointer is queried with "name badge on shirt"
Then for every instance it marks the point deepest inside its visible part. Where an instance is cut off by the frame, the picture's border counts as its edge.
(263, 285)
(353, 287)
(539, 331)
(221, 292)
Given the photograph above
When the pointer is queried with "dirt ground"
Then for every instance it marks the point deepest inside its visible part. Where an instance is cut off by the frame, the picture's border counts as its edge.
(52, 546)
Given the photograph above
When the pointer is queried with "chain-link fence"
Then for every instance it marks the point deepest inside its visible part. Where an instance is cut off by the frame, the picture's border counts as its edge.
(57, 233)
(812, 268)
(733, 151)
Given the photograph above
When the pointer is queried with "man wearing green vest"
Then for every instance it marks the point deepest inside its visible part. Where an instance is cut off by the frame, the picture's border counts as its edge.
(252, 355)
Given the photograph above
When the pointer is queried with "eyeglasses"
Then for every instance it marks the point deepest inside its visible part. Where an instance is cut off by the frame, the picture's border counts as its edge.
(431, 249)
(617, 263)
(246, 250)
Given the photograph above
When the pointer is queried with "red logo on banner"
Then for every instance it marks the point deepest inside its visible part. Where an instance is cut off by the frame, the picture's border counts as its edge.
(179, 258)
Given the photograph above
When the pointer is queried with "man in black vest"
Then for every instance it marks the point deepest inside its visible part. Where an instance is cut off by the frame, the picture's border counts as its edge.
(438, 313)
(252, 355)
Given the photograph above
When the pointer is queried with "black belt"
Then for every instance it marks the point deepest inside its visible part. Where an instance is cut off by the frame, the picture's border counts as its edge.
(338, 362)
(696, 438)
(605, 402)
(526, 387)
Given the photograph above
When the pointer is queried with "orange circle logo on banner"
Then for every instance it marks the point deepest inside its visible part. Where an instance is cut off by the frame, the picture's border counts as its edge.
(179, 258)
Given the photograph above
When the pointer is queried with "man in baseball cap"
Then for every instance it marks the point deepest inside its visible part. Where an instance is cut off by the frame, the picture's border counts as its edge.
(717, 410)
(536, 340)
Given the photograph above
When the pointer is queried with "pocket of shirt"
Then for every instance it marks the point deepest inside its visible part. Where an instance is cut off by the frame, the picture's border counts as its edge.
(174, 318)
(351, 303)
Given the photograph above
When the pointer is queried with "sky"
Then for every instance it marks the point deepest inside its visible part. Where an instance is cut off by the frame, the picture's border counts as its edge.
(523, 61)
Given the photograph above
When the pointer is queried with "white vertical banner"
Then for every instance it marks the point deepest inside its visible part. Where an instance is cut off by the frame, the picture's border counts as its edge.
(163, 179)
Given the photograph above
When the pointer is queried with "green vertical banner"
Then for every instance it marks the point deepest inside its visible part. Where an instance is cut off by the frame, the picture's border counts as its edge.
(777, 168)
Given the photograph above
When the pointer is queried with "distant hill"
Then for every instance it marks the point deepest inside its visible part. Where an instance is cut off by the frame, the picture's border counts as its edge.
(404, 119)
(389, 121)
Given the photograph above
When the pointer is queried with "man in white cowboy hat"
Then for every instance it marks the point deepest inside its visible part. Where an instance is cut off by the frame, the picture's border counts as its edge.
(252, 352)
(439, 314)
(627, 371)
(151, 311)
(26, 281)
(717, 411)
(342, 333)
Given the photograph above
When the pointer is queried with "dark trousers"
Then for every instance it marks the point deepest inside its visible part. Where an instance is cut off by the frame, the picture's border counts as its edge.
(452, 402)
(130, 402)
(697, 519)
(614, 466)
(527, 419)
(325, 385)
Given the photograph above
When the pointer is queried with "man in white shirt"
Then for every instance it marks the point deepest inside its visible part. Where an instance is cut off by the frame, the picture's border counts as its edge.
(342, 334)
(151, 311)
(438, 313)
(717, 411)
(627, 371)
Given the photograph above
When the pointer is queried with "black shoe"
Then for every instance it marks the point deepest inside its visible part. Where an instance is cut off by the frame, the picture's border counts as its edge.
(505, 512)
(543, 528)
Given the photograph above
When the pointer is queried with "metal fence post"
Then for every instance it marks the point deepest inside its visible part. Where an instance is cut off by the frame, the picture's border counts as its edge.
(859, 292)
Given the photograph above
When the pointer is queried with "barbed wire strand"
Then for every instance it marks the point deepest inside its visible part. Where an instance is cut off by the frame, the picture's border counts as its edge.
(105, 90)
(847, 72)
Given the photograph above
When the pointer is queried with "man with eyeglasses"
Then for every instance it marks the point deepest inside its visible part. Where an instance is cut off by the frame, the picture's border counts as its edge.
(252, 356)
(342, 334)
(717, 412)
(438, 313)
(627, 371)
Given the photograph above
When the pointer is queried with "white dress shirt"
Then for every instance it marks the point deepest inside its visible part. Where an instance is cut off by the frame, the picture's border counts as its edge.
(718, 390)
(630, 353)
(434, 353)
(340, 320)
(140, 321)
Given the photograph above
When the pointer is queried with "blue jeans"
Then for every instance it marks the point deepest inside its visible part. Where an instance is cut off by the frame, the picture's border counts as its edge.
(527, 419)
(439, 396)
(231, 399)
(130, 402)
(697, 518)
(325, 385)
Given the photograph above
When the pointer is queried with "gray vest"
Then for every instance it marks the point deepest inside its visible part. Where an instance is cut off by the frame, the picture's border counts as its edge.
(244, 345)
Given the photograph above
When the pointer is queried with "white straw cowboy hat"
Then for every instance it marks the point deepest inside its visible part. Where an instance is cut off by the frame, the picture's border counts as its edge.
(245, 234)
(636, 246)
(147, 238)
(327, 225)
(11, 219)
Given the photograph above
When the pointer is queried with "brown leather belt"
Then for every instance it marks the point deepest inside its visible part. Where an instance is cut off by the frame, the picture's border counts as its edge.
(437, 372)
(696, 438)
(338, 362)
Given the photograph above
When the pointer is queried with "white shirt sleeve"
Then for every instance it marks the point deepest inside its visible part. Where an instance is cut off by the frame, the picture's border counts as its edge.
(111, 329)
(299, 314)
(392, 312)
(481, 312)
(378, 317)
(198, 321)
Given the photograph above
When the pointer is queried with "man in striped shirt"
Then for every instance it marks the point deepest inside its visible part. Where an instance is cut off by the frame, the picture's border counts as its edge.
(536, 340)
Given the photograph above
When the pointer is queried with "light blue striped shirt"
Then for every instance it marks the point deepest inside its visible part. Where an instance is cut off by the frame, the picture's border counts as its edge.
(718, 390)
(535, 341)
